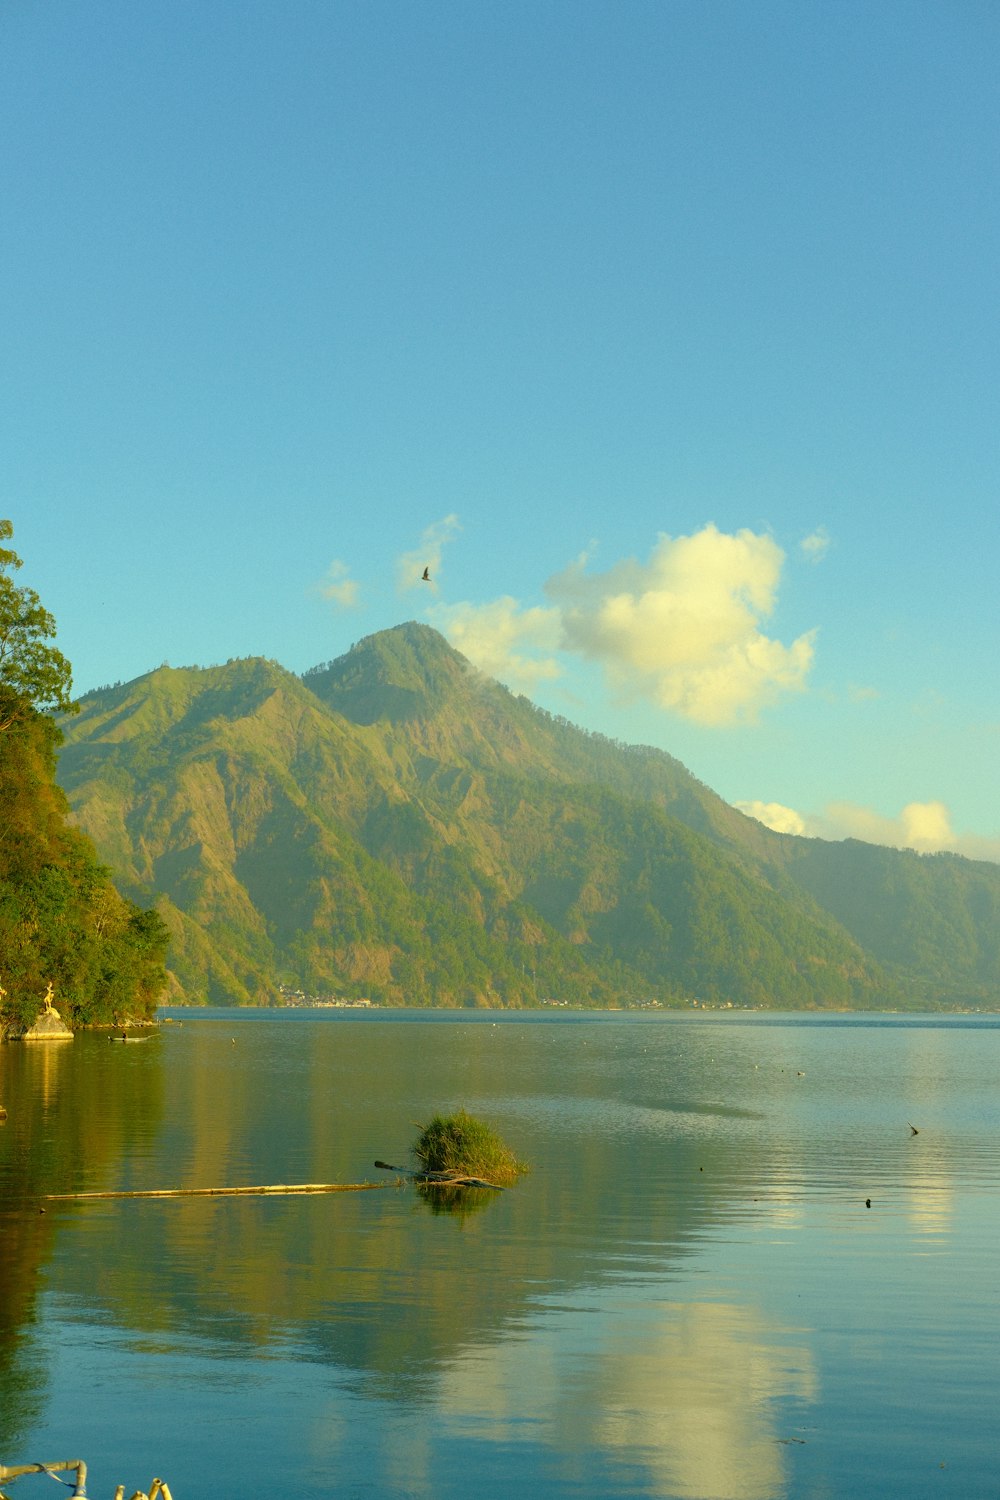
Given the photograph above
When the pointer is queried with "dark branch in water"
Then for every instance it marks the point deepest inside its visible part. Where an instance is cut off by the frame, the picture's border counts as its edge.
(442, 1179)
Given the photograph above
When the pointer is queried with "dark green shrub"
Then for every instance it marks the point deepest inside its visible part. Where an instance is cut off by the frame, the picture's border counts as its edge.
(461, 1143)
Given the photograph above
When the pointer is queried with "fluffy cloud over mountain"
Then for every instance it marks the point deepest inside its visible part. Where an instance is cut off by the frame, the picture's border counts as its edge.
(683, 631)
(923, 826)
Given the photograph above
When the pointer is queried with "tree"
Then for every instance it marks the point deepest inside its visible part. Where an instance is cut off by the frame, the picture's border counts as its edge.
(34, 676)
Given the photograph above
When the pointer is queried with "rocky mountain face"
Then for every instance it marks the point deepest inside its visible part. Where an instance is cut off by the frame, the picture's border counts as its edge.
(396, 825)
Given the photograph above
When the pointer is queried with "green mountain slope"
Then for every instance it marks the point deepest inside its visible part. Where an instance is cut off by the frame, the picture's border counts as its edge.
(394, 824)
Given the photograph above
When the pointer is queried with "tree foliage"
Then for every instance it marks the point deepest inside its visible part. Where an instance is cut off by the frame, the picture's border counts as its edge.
(33, 674)
(62, 922)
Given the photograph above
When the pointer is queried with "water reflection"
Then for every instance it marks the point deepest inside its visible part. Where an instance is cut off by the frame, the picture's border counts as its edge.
(628, 1320)
(71, 1109)
(42, 1069)
(688, 1391)
(460, 1203)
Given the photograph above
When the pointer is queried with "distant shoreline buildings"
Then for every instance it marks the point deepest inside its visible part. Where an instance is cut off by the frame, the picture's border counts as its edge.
(290, 997)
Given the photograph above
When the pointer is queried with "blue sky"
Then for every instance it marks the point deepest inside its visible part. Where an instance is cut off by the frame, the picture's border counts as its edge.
(667, 333)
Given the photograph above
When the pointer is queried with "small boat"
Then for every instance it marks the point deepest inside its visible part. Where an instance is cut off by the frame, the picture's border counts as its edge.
(124, 1038)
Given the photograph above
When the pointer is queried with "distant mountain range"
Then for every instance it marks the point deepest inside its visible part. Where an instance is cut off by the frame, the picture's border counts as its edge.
(396, 825)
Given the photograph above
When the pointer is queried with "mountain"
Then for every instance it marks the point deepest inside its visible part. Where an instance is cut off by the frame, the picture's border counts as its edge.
(396, 825)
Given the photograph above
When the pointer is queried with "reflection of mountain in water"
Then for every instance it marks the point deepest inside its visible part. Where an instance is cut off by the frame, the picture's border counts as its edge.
(571, 1292)
(630, 1166)
(72, 1110)
(374, 1283)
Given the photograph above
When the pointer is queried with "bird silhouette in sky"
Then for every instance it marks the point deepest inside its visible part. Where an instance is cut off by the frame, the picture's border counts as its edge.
(425, 576)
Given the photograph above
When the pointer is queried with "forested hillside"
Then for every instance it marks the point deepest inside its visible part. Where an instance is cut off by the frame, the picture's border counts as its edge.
(62, 921)
(397, 826)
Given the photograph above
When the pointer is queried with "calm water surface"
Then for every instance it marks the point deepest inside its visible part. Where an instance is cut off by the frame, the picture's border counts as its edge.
(687, 1297)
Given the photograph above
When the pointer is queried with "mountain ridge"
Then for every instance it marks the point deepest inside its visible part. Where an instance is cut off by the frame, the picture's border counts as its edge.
(396, 823)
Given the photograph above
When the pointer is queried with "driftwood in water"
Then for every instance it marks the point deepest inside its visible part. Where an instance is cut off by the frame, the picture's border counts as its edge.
(442, 1179)
(222, 1192)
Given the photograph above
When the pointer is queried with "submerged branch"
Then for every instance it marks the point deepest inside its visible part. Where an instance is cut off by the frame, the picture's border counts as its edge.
(442, 1179)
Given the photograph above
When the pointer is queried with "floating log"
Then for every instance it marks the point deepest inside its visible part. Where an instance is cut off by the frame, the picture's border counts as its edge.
(442, 1179)
(221, 1192)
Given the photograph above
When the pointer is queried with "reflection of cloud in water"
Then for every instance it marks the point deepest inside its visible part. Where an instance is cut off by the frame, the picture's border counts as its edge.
(408, 1456)
(786, 1215)
(685, 1390)
(782, 1202)
(695, 1396)
(930, 1206)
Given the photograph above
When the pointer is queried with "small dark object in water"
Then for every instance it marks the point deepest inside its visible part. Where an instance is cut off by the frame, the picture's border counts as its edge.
(914, 1130)
(868, 1203)
(446, 1179)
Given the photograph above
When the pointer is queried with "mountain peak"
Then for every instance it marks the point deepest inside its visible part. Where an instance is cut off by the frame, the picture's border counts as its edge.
(464, 840)
(399, 674)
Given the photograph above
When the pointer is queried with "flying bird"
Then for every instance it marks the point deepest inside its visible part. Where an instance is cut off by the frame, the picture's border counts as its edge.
(425, 576)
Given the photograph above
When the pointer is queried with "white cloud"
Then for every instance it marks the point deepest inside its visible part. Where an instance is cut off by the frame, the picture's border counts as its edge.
(338, 587)
(684, 630)
(774, 815)
(927, 825)
(815, 545)
(410, 566)
(494, 637)
(923, 826)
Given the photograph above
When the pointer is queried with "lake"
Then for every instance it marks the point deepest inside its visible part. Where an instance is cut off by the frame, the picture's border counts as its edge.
(688, 1296)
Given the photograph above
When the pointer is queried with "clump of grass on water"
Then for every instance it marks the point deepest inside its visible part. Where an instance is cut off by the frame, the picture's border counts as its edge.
(461, 1143)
